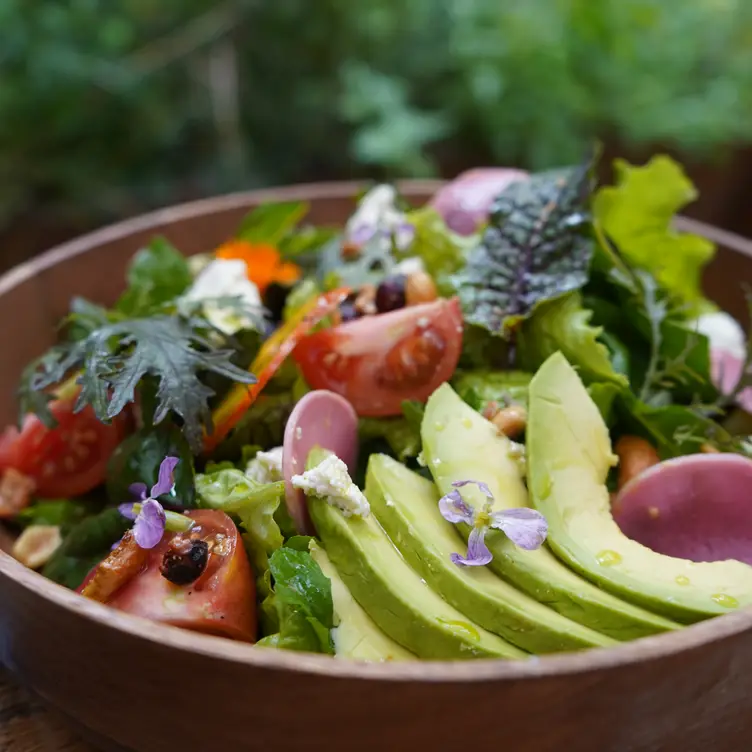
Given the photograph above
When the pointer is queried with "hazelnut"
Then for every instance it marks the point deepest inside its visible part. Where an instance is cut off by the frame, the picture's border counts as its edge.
(511, 421)
(420, 288)
(365, 302)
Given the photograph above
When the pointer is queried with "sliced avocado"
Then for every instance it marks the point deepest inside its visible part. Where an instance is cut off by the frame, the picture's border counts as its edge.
(392, 594)
(459, 444)
(569, 456)
(406, 505)
(356, 636)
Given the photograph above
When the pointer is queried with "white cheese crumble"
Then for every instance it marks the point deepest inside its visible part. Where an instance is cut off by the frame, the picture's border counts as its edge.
(266, 467)
(226, 278)
(724, 333)
(410, 265)
(331, 481)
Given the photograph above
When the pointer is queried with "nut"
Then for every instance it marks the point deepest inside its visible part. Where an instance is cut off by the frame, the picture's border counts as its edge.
(420, 288)
(635, 456)
(511, 421)
(36, 544)
(350, 250)
(365, 303)
(15, 493)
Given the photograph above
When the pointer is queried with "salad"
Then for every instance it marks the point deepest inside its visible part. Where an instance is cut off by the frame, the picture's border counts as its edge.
(502, 424)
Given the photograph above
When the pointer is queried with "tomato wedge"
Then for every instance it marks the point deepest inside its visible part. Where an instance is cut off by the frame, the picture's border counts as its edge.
(270, 357)
(221, 601)
(68, 460)
(376, 362)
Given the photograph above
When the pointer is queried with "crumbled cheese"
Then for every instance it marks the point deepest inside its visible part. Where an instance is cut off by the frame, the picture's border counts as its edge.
(331, 481)
(724, 333)
(266, 467)
(410, 265)
(226, 278)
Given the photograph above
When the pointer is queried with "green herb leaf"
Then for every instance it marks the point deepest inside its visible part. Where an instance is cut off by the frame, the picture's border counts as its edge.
(564, 325)
(63, 513)
(483, 388)
(301, 604)
(637, 214)
(137, 460)
(538, 246)
(157, 275)
(269, 223)
(400, 435)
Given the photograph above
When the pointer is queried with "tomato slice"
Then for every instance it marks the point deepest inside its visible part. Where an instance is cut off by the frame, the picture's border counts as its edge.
(220, 602)
(68, 460)
(270, 357)
(376, 362)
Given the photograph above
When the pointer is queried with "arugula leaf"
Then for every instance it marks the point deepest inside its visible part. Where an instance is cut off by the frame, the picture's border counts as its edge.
(636, 214)
(254, 503)
(157, 275)
(301, 606)
(269, 223)
(116, 357)
(137, 460)
(538, 246)
(443, 252)
(483, 388)
(564, 325)
(84, 546)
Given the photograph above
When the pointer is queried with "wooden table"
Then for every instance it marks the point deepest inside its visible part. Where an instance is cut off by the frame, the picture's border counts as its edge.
(27, 726)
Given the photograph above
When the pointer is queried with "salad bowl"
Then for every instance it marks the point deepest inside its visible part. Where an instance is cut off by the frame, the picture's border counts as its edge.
(131, 684)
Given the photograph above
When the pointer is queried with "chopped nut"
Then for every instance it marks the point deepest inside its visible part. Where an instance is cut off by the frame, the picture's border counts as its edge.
(365, 303)
(420, 288)
(635, 456)
(36, 544)
(511, 421)
(15, 493)
(350, 251)
(122, 564)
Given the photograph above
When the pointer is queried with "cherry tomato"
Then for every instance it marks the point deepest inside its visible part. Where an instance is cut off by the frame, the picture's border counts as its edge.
(221, 601)
(376, 362)
(68, 460)
(270, 357)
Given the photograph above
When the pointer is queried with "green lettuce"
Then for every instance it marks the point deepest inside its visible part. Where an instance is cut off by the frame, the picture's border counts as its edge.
(299, 612)
(564, 325)
(272, 222)
(637, 215)
(255, 504)
(481, 388)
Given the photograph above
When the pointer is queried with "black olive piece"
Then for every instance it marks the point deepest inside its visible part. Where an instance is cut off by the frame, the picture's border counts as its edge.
(184, 565)
(275, 298)
(390, 294)
(347, 309)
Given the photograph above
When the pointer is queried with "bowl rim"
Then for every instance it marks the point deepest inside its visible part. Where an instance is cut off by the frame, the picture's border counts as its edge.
(534, 667)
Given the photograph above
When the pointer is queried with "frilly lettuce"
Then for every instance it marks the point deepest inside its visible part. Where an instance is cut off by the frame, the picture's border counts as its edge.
(564, 325)
(255, 504)
(481, 387)
(637, 213)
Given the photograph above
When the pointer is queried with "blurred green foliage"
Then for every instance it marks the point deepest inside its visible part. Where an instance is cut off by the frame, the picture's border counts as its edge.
(109, 106)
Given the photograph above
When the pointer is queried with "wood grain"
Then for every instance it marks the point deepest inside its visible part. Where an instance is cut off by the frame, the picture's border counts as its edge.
(151, 688)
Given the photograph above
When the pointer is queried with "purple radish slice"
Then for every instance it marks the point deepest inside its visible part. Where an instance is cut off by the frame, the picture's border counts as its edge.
(322, 418)
(464, 203)
(697, 507)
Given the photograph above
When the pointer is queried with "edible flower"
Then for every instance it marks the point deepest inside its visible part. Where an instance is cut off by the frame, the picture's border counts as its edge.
(149, 515)
(263, 262)
(525, 527)
(377, 216)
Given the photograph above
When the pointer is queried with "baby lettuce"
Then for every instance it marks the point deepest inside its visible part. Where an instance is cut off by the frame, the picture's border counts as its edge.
(636, 214)
(482, 387)
(299, 612)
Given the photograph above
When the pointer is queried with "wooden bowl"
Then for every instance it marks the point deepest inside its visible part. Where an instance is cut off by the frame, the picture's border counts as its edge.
(132, 684)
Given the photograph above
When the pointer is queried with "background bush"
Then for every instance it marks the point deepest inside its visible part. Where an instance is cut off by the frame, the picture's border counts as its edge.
(109, 107)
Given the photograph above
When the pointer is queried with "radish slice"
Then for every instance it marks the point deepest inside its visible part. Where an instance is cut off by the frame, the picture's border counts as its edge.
(465, 202)
(697, 507)
(322, 418)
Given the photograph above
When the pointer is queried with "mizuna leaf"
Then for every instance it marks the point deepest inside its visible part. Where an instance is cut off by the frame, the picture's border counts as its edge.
(538, 246)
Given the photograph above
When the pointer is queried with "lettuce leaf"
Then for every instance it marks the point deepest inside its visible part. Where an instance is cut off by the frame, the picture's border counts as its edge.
(270, 223)
(537, 247)
(481, 387)
(399, 434)
(300, 609)
(637, 213)
(564, 325)
(255, 504)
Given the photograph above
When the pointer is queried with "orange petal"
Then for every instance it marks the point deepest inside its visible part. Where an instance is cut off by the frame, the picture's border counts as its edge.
(287, 272)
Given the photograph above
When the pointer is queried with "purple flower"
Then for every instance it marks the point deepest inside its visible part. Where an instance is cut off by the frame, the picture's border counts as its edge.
(150, 521)
(525, 527)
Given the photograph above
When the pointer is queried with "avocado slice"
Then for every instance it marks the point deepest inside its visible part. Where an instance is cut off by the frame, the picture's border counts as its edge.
(459, 444)
(569, 456)
(392, 594)
(406, 505)
(355, 636)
